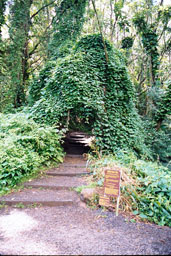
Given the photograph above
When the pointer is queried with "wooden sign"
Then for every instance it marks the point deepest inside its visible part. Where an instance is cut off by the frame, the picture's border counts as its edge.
(104, 200)
(111, 187)
(112, 183)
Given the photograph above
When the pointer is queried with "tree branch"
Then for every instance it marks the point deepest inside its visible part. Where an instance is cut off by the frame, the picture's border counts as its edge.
(35, 47)
(100, 29)
(161, 3)
(36, 66)
(35, 61)
(165, 48)
(43, 7)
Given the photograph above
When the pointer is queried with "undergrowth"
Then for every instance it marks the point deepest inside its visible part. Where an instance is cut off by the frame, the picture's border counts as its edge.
(145, 185)
(25, 146)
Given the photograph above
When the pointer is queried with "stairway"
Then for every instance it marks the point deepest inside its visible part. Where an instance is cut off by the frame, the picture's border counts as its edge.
(77, 143)
(55, 188)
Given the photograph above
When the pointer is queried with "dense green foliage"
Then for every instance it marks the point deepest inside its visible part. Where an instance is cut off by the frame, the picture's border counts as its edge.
(39, 82)
(127, 42)
(147, 193)
(24, 147)
(83, 88)
(158, 125)
(163, 106)
(159, 141)
(67, 25)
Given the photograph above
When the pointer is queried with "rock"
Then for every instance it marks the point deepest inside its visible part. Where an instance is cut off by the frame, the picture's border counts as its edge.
(87, 194)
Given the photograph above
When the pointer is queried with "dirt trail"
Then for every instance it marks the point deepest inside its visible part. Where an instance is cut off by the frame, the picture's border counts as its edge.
(74, 229)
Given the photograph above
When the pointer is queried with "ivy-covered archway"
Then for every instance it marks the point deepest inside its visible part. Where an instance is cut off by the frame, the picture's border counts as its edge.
(84, 89)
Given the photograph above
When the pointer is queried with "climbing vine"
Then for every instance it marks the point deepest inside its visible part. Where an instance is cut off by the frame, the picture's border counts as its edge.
(149, 39)
(81, 90)
(127, 42)
(67, 26)
(163, 106)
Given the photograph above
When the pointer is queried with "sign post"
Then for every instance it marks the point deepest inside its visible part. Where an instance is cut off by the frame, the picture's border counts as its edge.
(117, 206)
(111, 187)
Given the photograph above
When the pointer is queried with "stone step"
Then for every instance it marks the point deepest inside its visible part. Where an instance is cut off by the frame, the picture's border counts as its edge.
(74, 156)
(56, 182)
(72, 165)
(35, 197)
(69, 174)
(52, 187)
(65, 171)
(74, 159)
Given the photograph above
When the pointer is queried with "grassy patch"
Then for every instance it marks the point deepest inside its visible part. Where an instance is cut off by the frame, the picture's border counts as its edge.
(33, 205)
(3, 205)
(90, 185)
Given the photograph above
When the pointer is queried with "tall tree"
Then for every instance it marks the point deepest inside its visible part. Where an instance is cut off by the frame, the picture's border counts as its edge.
(2, 15)
(4, 95)
(151, 26)
(67, 24)
(19, 35)
(27, 19)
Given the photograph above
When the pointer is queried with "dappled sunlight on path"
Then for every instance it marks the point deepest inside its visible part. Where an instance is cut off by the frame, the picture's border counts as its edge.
(15, 223)
(16, 229)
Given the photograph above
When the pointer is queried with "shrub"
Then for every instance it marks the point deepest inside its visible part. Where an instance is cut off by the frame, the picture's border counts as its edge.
(24, 147)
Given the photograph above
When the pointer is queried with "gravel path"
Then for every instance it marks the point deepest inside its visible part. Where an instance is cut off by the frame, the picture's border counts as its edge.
(76, 230)
(71, 230)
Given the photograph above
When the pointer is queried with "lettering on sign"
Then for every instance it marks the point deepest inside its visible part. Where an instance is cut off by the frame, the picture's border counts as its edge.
(112, 183)
(111, 188)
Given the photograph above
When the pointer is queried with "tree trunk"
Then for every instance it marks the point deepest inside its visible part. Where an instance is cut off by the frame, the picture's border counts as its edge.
(19, 33)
